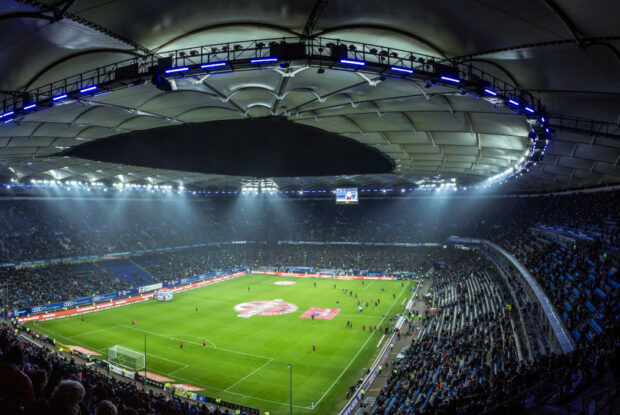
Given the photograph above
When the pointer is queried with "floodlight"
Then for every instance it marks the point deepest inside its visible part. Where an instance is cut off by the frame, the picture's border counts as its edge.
(262, 60)
(352, 62)
(399, 69)
(450, 79)
(213, 65)
(174, 70)
(88, 89)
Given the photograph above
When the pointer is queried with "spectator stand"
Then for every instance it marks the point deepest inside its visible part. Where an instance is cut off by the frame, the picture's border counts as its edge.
(554, 328)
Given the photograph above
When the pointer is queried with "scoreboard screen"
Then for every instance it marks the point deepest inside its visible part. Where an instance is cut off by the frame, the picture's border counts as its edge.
(346, 196)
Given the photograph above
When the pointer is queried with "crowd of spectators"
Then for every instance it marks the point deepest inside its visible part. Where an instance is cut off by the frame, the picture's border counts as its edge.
(35, 230)
(578, 280)
(31, 286)
(25, 287)
(466, 357)
(37, 381)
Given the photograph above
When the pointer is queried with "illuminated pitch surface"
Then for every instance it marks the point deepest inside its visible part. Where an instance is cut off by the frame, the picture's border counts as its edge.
(246, 358)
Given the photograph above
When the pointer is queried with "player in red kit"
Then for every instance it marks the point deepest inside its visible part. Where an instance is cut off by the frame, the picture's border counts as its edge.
(181, 345)
(204, 344)
(196, 308)
(313, 347)
(133, 322)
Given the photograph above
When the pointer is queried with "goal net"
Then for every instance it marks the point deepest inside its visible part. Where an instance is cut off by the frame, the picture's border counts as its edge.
(126, 357)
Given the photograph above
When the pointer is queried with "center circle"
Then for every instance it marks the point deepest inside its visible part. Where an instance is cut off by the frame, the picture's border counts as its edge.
(265, 308)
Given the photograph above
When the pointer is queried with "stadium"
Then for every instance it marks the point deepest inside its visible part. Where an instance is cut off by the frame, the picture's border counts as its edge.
(309, 207)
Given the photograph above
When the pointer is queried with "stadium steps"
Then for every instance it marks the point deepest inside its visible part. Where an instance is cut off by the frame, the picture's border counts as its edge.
(143, 269)
(127, 271)
(102, 269)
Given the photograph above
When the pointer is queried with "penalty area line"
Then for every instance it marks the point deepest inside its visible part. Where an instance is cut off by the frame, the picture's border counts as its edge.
(250, 374)
(86, 333)
(245, 396)
(177, 370)
(199, 344)
(104, 352)
(356, 354)
(72, 339)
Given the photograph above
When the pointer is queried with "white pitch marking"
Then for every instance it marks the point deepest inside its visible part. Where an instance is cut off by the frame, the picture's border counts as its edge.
(95, 331)
(380, 340)
(251, 373)
(356, 354)
(178, 370)
(245, 396)
(360, 315)
(199, 344)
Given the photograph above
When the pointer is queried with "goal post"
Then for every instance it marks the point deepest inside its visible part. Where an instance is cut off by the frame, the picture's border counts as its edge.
(124, 356)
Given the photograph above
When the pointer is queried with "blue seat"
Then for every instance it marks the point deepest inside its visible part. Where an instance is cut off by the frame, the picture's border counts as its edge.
(600, 293)
(590, 306)
(567, 306)
(613, 283)
(595, 326)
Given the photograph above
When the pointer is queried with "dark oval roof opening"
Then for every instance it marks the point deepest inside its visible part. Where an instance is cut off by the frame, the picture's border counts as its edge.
(263, 147)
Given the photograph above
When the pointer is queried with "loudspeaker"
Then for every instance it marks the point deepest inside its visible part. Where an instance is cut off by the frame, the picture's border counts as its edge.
(126, 72)
(288, 51)
(339, 52)
(445, 70)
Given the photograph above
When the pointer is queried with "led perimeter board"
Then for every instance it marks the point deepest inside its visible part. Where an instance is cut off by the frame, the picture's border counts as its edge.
(346, 196)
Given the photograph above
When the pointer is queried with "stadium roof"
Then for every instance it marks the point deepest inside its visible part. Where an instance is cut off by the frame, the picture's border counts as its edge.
(561, 54)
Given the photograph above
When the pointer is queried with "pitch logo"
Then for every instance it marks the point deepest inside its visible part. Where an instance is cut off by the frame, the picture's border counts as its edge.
(264, 308)
(284, 283)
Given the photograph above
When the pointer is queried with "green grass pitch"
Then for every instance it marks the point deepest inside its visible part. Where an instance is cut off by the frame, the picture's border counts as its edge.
(246, 359)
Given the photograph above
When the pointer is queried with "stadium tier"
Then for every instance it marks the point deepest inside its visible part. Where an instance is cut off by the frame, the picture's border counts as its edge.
(309, 207)
(479, 339)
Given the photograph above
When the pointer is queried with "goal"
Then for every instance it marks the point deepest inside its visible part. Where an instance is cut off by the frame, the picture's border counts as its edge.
(124, 356)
